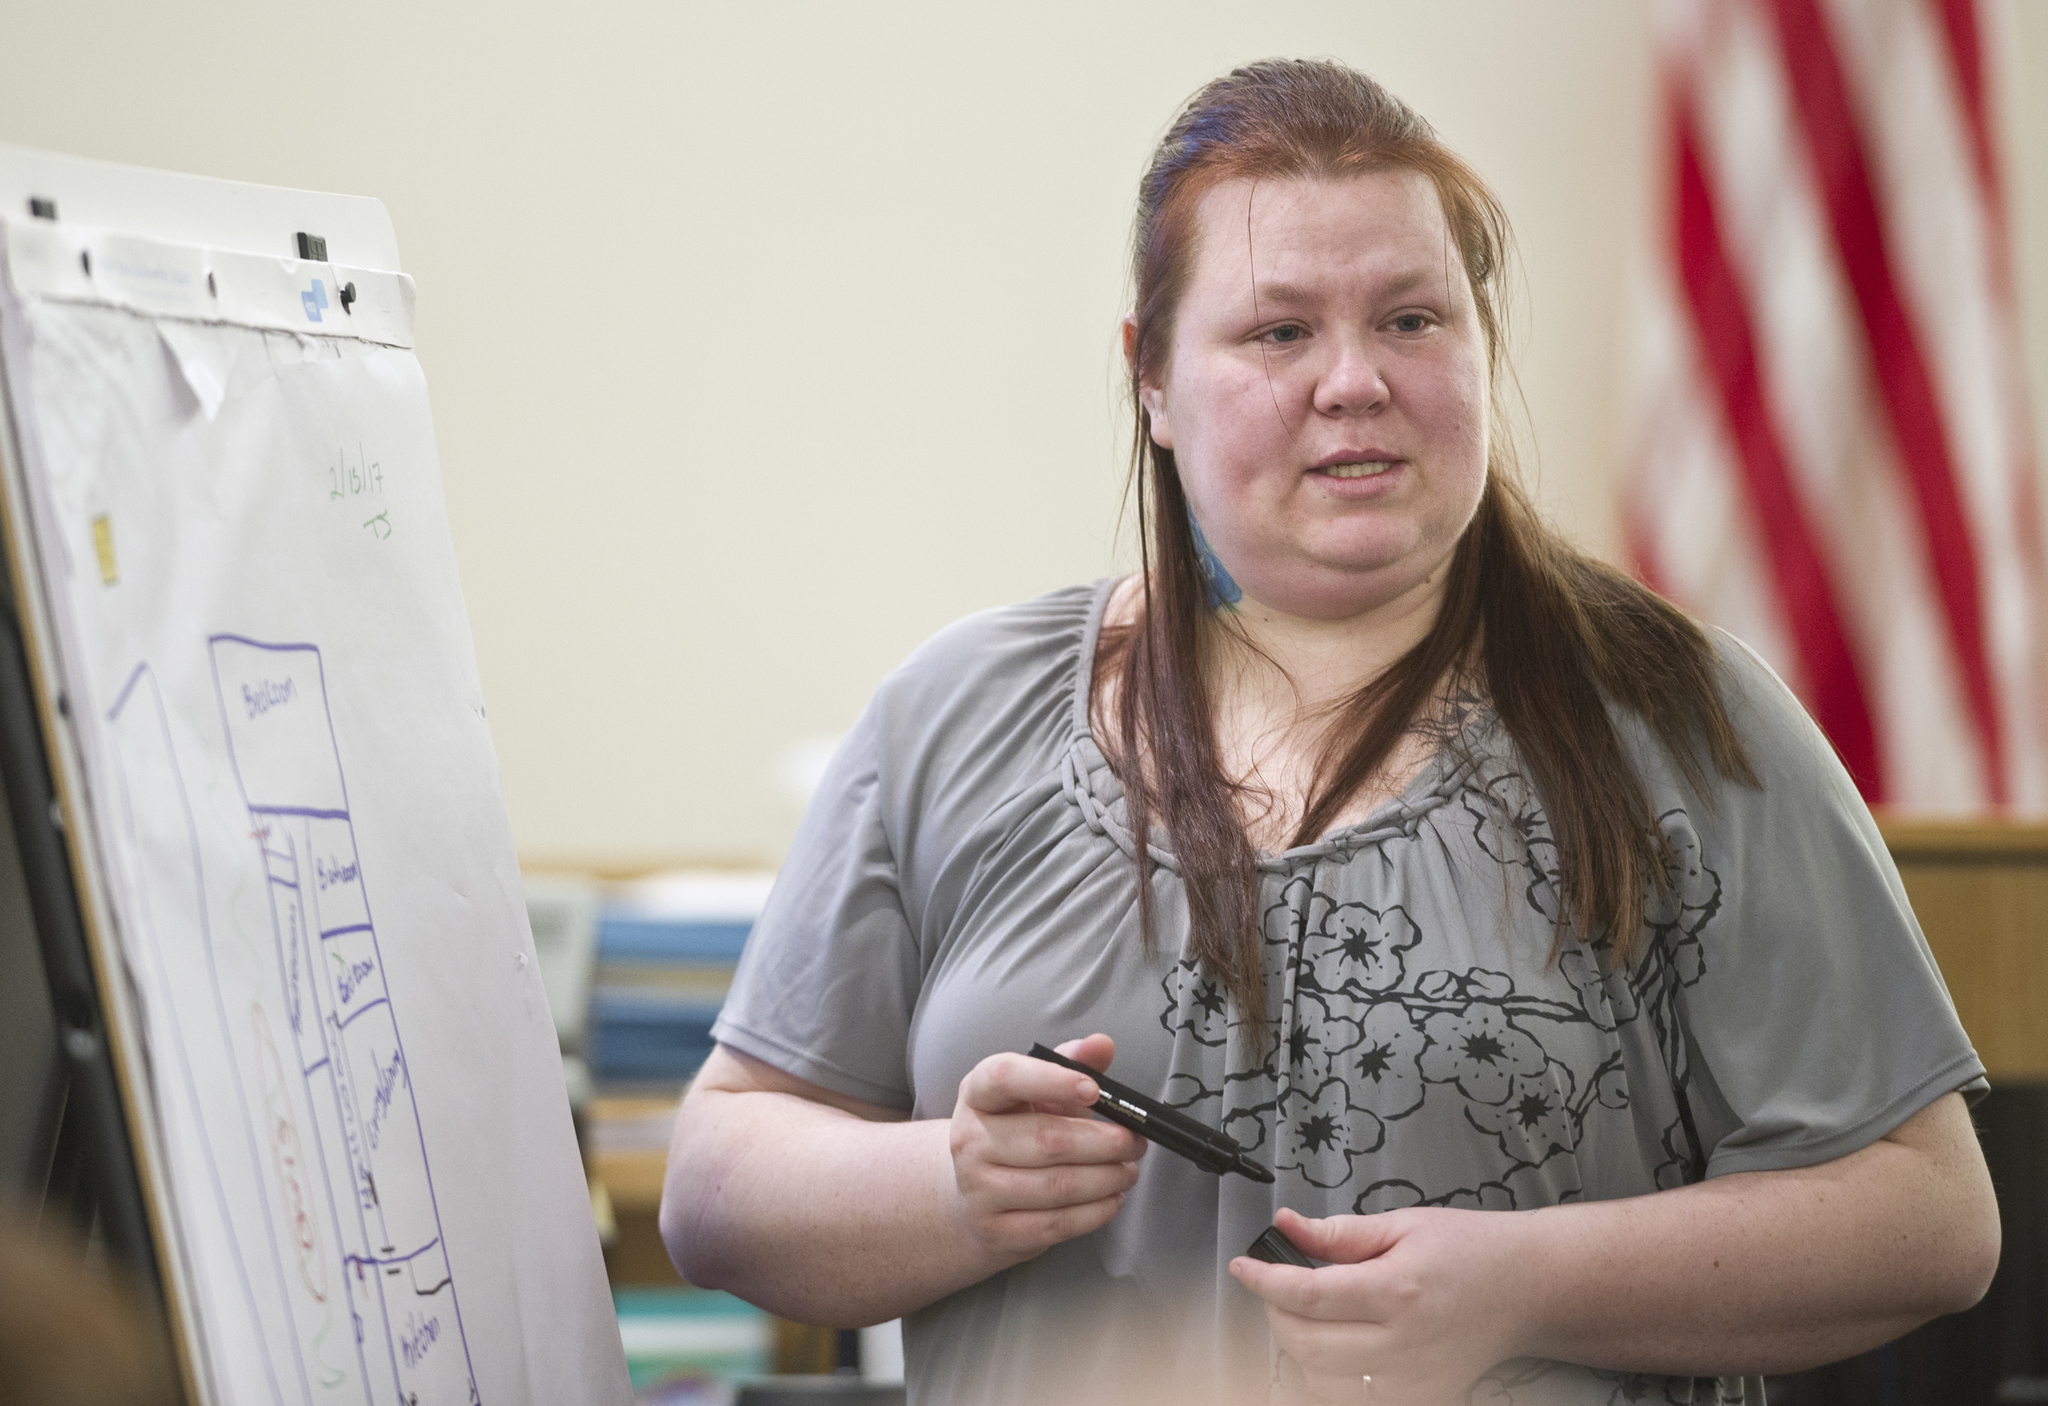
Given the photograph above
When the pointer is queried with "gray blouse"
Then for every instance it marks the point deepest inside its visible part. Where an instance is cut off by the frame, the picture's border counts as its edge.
(963, 885)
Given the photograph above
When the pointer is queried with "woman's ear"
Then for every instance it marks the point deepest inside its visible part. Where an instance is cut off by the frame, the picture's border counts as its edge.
(1151, 399)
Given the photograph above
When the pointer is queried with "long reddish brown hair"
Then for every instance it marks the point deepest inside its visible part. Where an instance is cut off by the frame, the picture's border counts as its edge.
(1551, 635)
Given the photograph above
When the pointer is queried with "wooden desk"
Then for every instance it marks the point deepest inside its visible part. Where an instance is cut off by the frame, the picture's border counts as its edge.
(1980, 889)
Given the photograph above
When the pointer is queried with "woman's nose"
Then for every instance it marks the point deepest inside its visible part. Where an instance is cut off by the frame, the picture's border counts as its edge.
(1350, 383)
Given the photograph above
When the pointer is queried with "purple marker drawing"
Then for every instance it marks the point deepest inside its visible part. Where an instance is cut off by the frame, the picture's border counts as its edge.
(345, 1041)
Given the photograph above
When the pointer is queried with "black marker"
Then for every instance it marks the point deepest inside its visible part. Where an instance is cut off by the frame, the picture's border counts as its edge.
(1275, 1248)
(1169, 1127)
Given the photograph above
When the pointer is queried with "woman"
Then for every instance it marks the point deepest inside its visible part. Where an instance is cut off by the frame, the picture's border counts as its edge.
(1450, 872)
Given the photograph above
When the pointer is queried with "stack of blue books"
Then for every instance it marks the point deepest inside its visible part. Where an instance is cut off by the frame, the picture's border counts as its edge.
(666, 948)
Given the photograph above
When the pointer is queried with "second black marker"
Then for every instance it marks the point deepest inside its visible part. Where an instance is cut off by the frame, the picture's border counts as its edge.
(1172, 1129)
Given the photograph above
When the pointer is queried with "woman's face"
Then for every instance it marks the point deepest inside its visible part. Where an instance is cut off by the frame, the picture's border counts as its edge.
(1326, 394)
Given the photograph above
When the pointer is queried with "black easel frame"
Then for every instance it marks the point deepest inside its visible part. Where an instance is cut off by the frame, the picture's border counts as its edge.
(93, 1172)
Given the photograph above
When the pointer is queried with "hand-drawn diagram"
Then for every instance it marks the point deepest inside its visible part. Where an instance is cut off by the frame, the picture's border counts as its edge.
(171, 916)
(333, 1157)
(345, 1044)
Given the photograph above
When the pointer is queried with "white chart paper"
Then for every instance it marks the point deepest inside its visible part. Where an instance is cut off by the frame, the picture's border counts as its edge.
(287, 770)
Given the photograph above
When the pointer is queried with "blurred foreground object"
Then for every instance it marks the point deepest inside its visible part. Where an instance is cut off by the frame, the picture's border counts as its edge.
(1832, 450)
(71, 1332)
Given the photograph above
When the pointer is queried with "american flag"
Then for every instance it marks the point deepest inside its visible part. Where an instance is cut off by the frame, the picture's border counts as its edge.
(1832, 454)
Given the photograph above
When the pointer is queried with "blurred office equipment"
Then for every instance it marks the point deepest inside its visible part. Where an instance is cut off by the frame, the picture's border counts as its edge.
(819, 1391)
(562, 911)
(1832, 451)
(689, 1347)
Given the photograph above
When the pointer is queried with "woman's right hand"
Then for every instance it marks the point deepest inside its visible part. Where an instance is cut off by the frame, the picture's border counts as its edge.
(1031, 1165)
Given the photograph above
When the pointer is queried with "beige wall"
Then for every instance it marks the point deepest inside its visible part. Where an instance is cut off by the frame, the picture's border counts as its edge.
(766, 339)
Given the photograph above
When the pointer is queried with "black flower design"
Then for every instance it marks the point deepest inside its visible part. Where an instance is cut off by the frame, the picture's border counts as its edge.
(1688, 902)
(1382, 1061)
(1319, 1134)
(1535, 1121)
(1610, 1083)
(1396, 1194)
(1677, 1167)
(1248, 1125)
(1197, 1004)
(1692, 891)
(1356, 947)
(1607, 1003)
(1633, 1386)
(1242, 1106)
(1510, 826)
(1477, 984)
(1523, 1063)
(1479, 1050)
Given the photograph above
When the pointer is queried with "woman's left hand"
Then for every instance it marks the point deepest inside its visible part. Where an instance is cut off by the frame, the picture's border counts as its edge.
(1743, 1273)
(1424, 1301)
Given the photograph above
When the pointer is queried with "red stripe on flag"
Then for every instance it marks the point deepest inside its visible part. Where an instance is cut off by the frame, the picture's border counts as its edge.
(1965, 43)
(1966, 56)
(1821, 98)
(1721, 320)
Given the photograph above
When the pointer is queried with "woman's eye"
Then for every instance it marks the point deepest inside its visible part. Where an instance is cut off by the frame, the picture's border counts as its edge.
(1287, 332)
(1410, 322)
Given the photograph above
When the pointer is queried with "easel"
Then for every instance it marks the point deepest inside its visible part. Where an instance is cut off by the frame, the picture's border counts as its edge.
(92, 1174)
(80, 1150)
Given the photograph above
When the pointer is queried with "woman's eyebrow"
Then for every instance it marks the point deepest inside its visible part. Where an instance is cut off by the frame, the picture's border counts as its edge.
(1396, 286)
(1410, 281)
(1281, 293)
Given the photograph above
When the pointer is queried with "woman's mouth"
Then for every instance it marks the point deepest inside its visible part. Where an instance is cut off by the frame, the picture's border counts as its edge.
(1366, 469)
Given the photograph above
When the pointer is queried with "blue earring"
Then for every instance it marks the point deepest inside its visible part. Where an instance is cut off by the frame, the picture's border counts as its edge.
(1224, 593)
